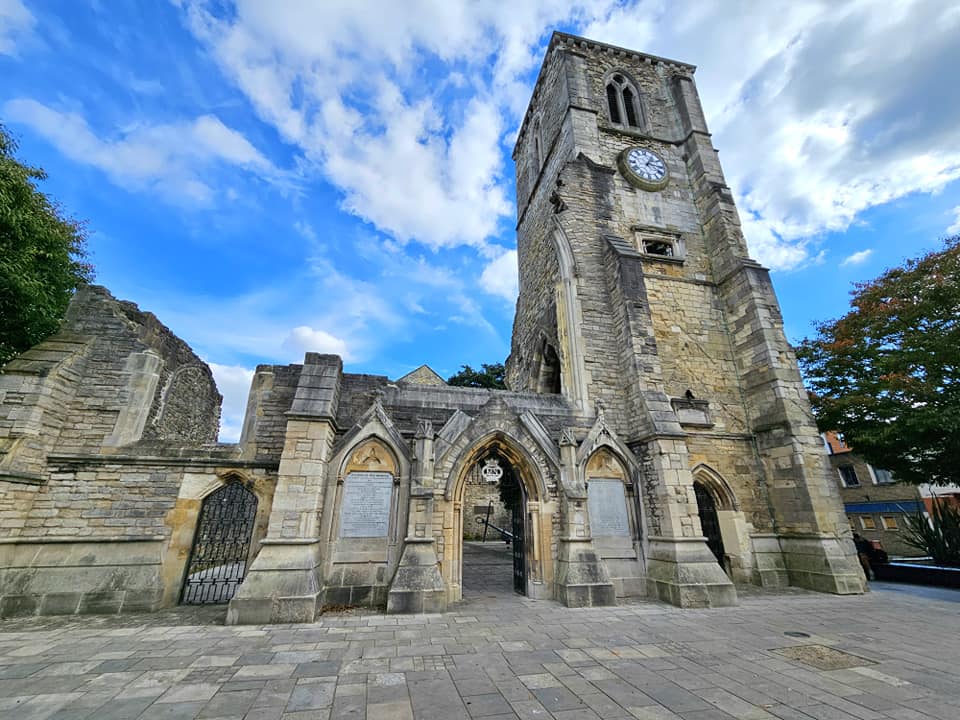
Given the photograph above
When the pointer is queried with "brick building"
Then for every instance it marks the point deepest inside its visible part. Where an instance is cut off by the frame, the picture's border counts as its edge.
(874, 501)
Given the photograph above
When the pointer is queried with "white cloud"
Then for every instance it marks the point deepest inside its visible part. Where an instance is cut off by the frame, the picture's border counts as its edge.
(857, 258)
(306, 231)
(821, 109)
(277, 324)
(308, 339)
(348, 86)
(499, 277)
(15, 20)
(233, 382)
(170, 159)
(418, 186)
(954, 229)
(319, 308)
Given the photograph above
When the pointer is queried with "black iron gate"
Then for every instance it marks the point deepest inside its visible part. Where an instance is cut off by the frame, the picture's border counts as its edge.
(708, 520)
(221, 544)
(519, 561)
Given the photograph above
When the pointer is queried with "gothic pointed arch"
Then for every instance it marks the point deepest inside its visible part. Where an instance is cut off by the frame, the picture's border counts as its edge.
(514, 440)
(573, 373)
(224, 478)
(605, 462)
(603, 458)
(222, 541)
(537, 134)
(374, 423)
(565, 257)
(623, 101)
(372, 454)
(602, 435)
(523, 445)
(719, 488)
(509, 447)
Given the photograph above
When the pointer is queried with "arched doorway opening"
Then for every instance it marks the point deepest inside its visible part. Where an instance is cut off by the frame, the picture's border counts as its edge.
(493, 560)
(709, 521)
(496, 479)
(220, 552)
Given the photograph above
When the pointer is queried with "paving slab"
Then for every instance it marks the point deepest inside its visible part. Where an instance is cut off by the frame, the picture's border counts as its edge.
(790, 655)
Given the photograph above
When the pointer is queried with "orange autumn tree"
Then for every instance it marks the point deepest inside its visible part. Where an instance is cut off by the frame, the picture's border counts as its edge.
(887, 374)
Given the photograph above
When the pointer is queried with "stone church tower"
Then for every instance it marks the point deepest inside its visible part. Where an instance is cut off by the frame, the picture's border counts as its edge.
(656, 439)
(638, 299)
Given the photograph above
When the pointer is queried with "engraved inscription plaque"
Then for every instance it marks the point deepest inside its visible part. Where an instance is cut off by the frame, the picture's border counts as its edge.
(365, 511)
(607, 506)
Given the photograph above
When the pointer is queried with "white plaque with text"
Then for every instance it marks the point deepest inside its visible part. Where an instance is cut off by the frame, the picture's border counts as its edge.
(365, 511)
(607, 506)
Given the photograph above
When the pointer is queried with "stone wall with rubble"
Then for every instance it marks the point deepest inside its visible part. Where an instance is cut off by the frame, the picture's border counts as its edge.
(140, 380)
(108, 436)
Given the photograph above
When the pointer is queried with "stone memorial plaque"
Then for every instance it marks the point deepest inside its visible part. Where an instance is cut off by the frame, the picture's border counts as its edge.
(365, 511)
(607, 506)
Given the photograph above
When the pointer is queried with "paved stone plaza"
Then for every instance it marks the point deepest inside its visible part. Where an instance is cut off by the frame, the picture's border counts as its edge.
(498, 656)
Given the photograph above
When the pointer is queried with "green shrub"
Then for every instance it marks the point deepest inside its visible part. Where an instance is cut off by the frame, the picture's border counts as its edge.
(939, 536)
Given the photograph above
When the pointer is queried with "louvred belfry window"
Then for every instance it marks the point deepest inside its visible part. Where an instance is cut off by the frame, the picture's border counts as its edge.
(623, 103)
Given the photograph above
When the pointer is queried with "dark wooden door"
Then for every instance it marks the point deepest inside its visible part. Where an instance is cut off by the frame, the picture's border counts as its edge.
(707, 508)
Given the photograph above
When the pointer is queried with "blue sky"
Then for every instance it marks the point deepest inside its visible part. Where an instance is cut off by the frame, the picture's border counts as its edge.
(276, 177)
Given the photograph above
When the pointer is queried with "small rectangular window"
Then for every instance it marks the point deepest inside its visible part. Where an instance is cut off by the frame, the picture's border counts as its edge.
(658, 247)
(867, 522)
(849, 476)
(658, 243)
(884, 477)
(889, 522)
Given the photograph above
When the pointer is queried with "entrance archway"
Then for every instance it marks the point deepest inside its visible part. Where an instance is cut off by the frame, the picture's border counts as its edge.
(522, 565)
(707, 508)
(221, 545)
(493, 557)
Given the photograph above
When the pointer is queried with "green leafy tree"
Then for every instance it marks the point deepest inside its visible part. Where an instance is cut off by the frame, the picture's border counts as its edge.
(42, 256)
(887, 374)
(489, 376)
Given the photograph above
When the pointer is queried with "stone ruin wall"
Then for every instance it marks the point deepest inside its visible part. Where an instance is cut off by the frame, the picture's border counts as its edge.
(75, 394)
(107, 448)
(181, 402)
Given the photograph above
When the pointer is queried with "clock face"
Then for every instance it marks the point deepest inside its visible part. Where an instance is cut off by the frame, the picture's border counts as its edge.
(647, 165)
